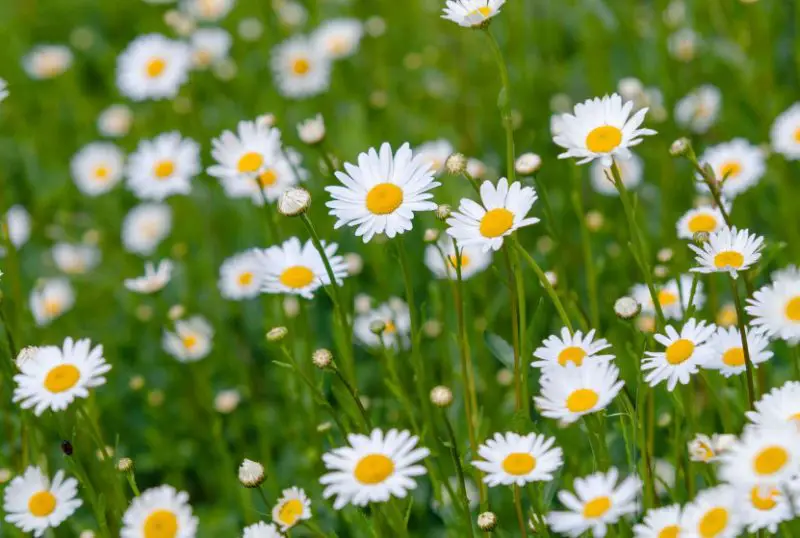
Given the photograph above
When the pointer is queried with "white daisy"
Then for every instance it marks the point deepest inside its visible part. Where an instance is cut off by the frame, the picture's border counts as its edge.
(75, 259)
(191, 340)
(788, 273)
(163, 166)
(298, 269)
(312, 130)
(706, 449)
(207, 10)
(473, 260)
(471, 13)
(18, 225)
(338, 38)
(714, 513)
(502, 211)
(631, 171)
(737, 164)
(153, 67)
(764, 507)
(3, 89)
(601, 129)
(673, 298)
(51, 299)
(381, 193)
(97, 168)
(292, 508)
(776, 309)
(683, 44)
(556, 352)
(115, 121)
(397, 319)
(778, 407)
(154, 279)
(261, 530)
(47, 61)
(145, 226)
(33, 503)
(52, 378)
(571, 392)
(300, 68)
(373, 468)
(686, 351)
(157, 512)
(728, 250)
(241, 276)
(659, 523)
(728, 355)
(209, 46)
(600, 499)
(435, 154)
(707, 219)
(785, 133)
(762, 456)
(511, 458)
(699, 109)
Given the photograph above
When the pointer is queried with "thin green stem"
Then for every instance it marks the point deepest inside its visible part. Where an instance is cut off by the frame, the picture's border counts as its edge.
(741, 321)
(504, 104)
(131, 477)
(354, 394)
(548, 288)
(515, 337)
(523, 529)
(462, 485)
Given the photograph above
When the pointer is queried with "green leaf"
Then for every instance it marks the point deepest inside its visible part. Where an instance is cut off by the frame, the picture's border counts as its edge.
(501, 349)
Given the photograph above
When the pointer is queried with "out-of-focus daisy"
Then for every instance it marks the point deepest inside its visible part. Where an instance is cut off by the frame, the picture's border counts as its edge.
(789, 273)
(737, 164)
(209, 46)
(659, 523)
(312, 130)
(673, 298)
(261, 530)
(511, 458)
(382, 192)
(372, 468)
(600, 499)
(728, 250)
(157, 512)
(777, 408)
(785, 133)
(300, 68)
(706, 219)
(145, 226)
(601, 128)
(699, 109)
(97, 168)
(683, 44)
(339, 38)
(18, 225)
(686, 351)
(728, 355)
(154, 279)
(292, 507)
(241, 276)
(51, 299)
(153, 67)
(476, 168)
(435, 153)
(52, 378)
(714, 512)
(762, 456)
(207, 10)
(705, 449)
(776, 308)
(163, 166)
(473, 260)
(191, 340)
(502, 211)
(630, 171)
(397, 325)
(764, 506)
(298, 269)
(75, 259)
(115, 121)
(471, 13)
(556, 352)
(3, 89)
(47, 61)
(34, 503)
(570, 392)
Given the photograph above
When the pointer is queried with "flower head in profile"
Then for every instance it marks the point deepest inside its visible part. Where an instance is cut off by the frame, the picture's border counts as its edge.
(209, 46)
(705, 449)
(33, 503)
(699, 109)
(673, 297)
(785, 133)
(685, 352)
(737, 166)
(558, 351)
(292, 508)
(296, 268)
(145, 226)
(207, 10)
(571, 392)
(75, 258)
(159, 511)
(153, 66)
(115, 121)
(435, 153)
(511, 458)
(154, 278)
(300, 68)
(443, 260)
(471, 13)
(728, 250)
(163, 166)
(51, 299)
(778, 408)
(47, 61)
(97, 168)
(191, 340)
(775, 308)
(338, 38)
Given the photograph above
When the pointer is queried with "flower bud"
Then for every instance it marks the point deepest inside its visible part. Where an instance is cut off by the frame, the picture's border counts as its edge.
(431, 235)
(443, 212)
(276, 334)
(627, 308)
(377, 326)
(312, 131)
(294, 202)
(527, 164)
(251, 474)
(456, 164)
(322, 358)
(680, 147)
(487, 521)
(441, 396)
(125, 465)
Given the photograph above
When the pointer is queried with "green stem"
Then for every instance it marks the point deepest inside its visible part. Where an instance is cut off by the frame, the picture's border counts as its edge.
(132, 482)
(515, 337)
(504, 103)
(548, 288)
(462, 485)
(354, 394)
(741, 320)
(523, 529)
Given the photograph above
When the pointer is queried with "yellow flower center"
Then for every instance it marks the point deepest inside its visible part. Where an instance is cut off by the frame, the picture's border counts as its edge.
(603, 139)
(389, 327)
(596, 507)
(730, 169)
(713, 523)
(727, 316)
(161, 524)
(496, 222)
(793, 308)
(770, 460)
(202, 57)
(290, 512)
(728, 258)
(679, 351)
(519, 463)
(454, 261)
(61, 378)
(702, 223)
(667, 298)
(267, 178)
(164, 169)
(52, 307)
(301, 66)
(795, 417)
(670, 531)
(733, 357)
(42, 504)
(384, 198)
(764, 502)
(245, 279)
(797, 135)
(708, 453)
(102, 172)
(297, 276)
(189, 341)
(572, 354)
(250, 162)
(155, 67)
(485, 11)
(582, 400)
(338, 45)
(373, 469)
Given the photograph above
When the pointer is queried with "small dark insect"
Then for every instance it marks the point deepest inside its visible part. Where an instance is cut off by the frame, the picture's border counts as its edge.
(66, 448)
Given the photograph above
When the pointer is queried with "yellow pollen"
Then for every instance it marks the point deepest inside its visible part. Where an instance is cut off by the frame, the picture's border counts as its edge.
(245, 279)
(670, 531)
(161, 524)
(267, 178)
(733, 357)
(164, 169)
(301, 66)
(454, 261)
(770, 460)
(519, 463)
(763, 502)
(679, 351)
(603, 139)
(250, 162)
(389, 327)
(702, 223)
(713, 523)
(793, 308)
(290, 512)
(708, 452)
(102, 172)
(596, 507)
(729, 170)
(155, 67)
(297, 277)
(384, 198)
(728, 258)
(582, 400)
(202, 57)
(572, 354)
(496, 222)
(795, 417)
(797, 135)
(61, 378)
(373, 469)
(42, 504)
(667, 298)
(485, 11)
(189, 341)
(52, 307)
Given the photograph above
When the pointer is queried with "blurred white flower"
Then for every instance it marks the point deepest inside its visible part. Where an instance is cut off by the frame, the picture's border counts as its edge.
(47, 61)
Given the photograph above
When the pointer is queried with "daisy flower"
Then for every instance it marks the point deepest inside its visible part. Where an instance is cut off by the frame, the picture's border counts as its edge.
(397, 319)
(300, 68)
(777, 408)
(163, 166)
(762, 456)
(435, 154)
(685, 352)
(728, 250)
(18, 225)
(145, 226)
(785, 133)
(338, 38)
(776, 309)
(630, 170)
(97, 168)
(47, 61)
(471, 13)
(382, 192)
(674, 298)
(699, 109)
(160, 511)
(570, 392)
(556, 352)
(473, 260)
(706, 449)
(33, 503)
(700, 219)
(298, 269)
(601, 129)
(207, 10)
(53, 378)
(292, 508)
(3, 89)
(261, 530)
(683, 44)
(659, 523)
(153, 67)
(788, 273)
(241, 276)
(372, 469)
(502, 212)
(737, 164)
(312, 130)
(511, 458)
(763, 507)
(154, 279)
(209, 46)
(51, 299)
(600, 499)
(75, 259)
(115, 121)
(714, 512)
(191, 340)
(728, 355)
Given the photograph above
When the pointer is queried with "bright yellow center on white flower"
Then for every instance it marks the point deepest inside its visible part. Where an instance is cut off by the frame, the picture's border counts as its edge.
(389, 327)
(155, 67)
(290, 512)
(728, 258)
(573, 354)
(52, 307)
(730, 170)
(670, 531)
(161, 524)
(250, 162)
(713, 523)
(164, 169)
(301, 66)
(373, 469)
(596, 507)
(189, 341)
(485, 11)
(708, 453)
(297, 276)
(496, 222)
(267, 178)
(770, 460)
(797, 135)
(702, 223)
(454, 261)
(793, 308)
(519, 463)
(102, 172)
(245, 279)
(733, 357)
(42, 504)
(763, 498)
(667, 298)
(582, 400)
(61, 378)
(384, 198)
(679, 351)
(603, 139)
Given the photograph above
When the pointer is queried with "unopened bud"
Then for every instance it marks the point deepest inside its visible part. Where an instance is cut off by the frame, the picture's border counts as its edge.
(443, 212)
(441, 396)
(377, 326)
(276, 334)
(680, 147)
(527, 164)
(251, 474)
(487, 521)
(456, 164)
(627, 308)
(431, 235)
(125, 465)
(322, 358)
(701, 237)
(294, 201)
